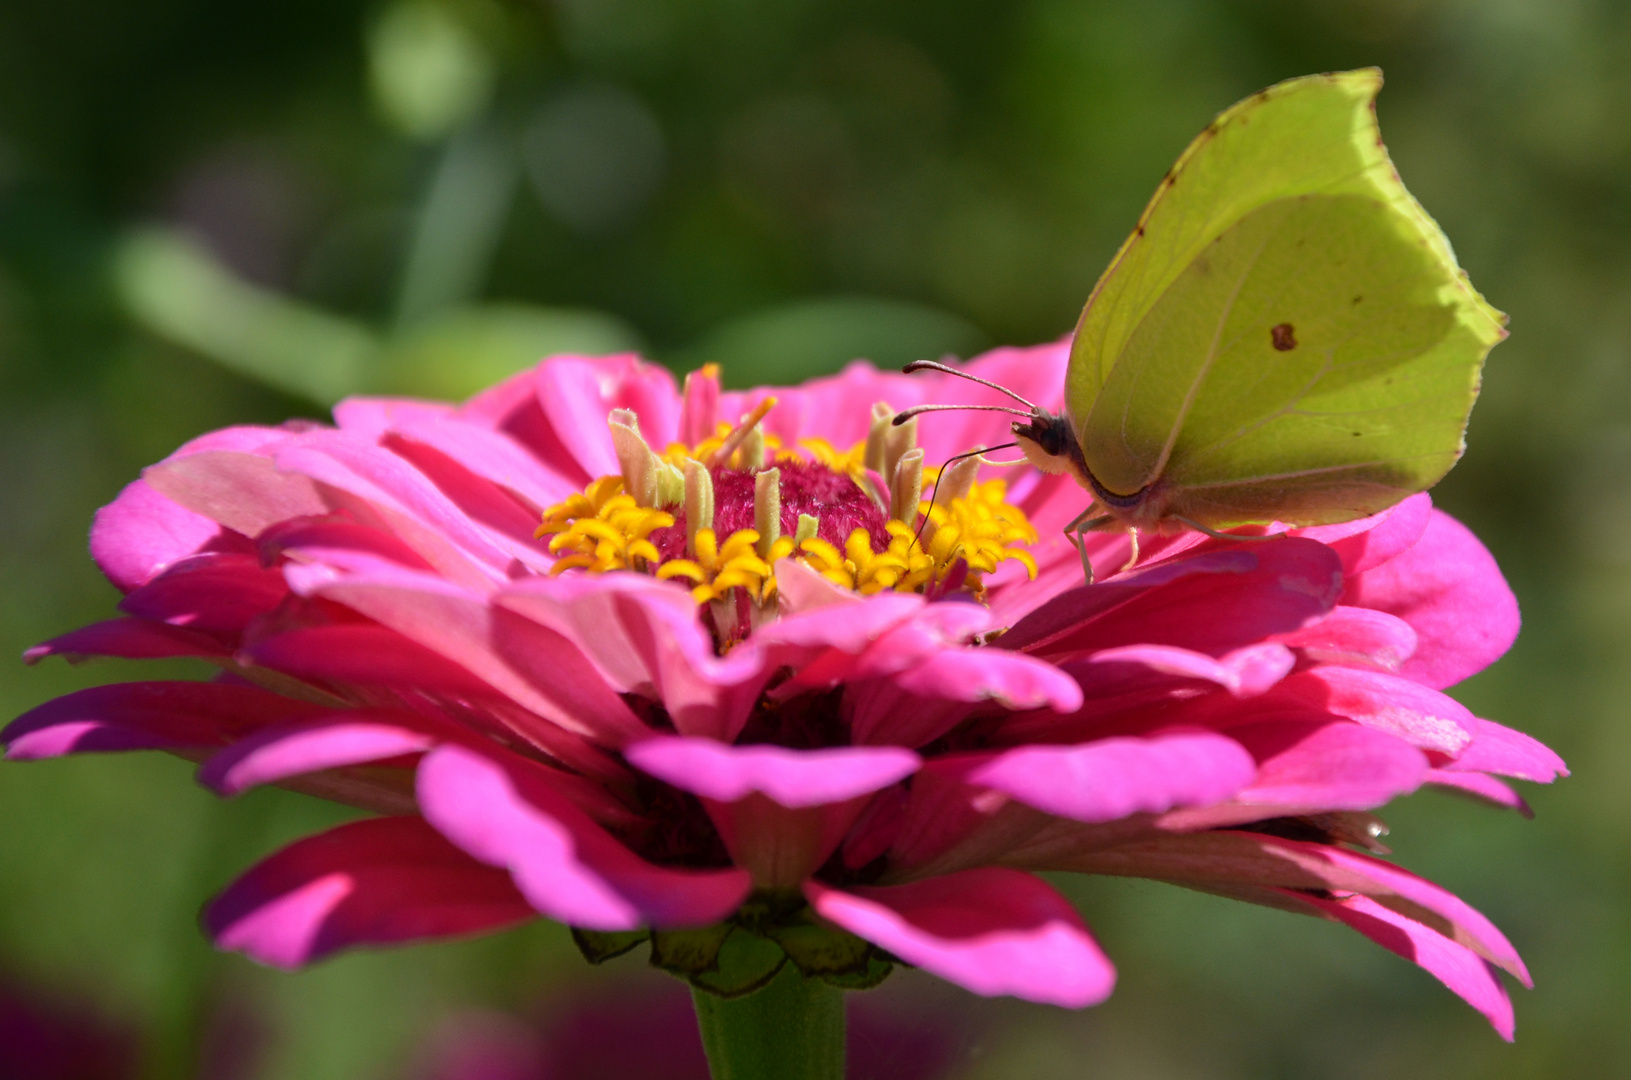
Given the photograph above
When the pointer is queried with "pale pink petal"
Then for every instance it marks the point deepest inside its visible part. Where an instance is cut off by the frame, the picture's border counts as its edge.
(495, 456)
(326, 742)
(1012, 680)
(568, 867)
(147, 715)
(380, 881)
(244, 492)
(792, 778)
(1448, 588)
(1468, 975)
(1114, 778)
(992, 931)
(140, 533)
(1355, 635)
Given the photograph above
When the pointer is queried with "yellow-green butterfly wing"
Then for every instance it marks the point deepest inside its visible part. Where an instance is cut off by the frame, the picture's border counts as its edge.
(1286, 335)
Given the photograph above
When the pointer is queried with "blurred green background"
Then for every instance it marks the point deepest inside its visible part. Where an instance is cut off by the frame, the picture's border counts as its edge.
(213, 213)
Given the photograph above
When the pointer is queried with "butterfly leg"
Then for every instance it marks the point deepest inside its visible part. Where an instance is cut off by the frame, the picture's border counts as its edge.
(1214, 534)
(1132, 560)
(1077, 530)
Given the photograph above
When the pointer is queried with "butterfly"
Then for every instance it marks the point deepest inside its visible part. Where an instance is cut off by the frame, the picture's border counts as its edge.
(1285, 337)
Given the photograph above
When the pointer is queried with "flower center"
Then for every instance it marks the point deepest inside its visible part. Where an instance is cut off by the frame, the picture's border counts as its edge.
(720, 513)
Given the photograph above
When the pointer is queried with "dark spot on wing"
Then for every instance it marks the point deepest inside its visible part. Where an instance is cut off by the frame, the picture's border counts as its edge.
(1283, 337)
(1357, 299)
(1139, 230)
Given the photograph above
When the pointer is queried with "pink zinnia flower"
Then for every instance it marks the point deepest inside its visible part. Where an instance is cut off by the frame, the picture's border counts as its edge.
(745, 712)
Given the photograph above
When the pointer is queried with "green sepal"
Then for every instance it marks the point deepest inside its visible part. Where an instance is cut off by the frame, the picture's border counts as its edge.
(820, 949)
(689, 952)
(875, 972)
(746, 962)
(599, 946)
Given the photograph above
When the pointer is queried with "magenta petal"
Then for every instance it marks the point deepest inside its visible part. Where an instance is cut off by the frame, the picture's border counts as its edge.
(1467, 974)
(1372, 541)
(1499, 749)
(379, 881)
(214, 592)
(244, 492)
(567, 866)
(793, 778)
(993, 931)
(1112, 778)
(147, 715)
(1448, 588)
(130, 639)
(331, 742)
(363, 653)
(1012, 680)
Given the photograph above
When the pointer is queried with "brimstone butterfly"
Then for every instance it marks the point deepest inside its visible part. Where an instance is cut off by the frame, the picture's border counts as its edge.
(1286, 336)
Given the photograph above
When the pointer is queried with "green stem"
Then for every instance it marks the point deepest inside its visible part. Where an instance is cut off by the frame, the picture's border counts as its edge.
(793, 1029)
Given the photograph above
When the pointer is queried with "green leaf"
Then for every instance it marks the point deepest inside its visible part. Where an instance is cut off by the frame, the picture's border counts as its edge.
(688, 952)
(875, 972)
(821, 950)
(598, 946)
(744, 963)
(1286, 335)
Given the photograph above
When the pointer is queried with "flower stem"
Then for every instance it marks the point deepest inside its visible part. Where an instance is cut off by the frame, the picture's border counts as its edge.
(793, 1029)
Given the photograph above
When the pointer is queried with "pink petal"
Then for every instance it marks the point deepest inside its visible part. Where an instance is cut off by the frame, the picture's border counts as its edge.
(792, 778)
(1372, 541)
(215, 592)
(577, 393)
(992, 931)
(520, 658)
(244, 492)
(1329, 766)
(1114, 778)
(1246, 672)
(362, 653)
(494, 456)
(141, 532)
(373, 417)
(1448, 588)
(1499, 749)
(568, 867)
(1468, 975)
(147, 715)
(1422, 717)
(337, 541)
(1012, 680)
(130, 639)
(643, 637)
(1249, 594)
(1483, 788)
(379, 881)
(1355, 635)
(329, 742)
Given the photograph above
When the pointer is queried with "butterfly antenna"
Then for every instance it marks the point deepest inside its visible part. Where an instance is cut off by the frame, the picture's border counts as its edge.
(906, 414)
(942, 472)
(947, 369)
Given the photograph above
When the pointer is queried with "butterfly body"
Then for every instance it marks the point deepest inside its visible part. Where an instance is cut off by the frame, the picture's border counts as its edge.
(1285, 337)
